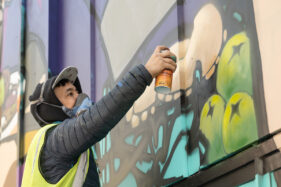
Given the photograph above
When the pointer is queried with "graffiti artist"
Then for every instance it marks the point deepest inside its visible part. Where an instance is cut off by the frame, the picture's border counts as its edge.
(60, 153)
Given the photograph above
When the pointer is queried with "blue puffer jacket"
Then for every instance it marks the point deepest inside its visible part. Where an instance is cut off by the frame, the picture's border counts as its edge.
(65, 142)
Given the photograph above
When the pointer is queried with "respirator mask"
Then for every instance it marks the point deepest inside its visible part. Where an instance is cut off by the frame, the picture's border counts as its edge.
(83, 102)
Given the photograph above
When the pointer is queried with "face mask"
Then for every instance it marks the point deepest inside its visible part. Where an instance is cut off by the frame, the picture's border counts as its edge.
(83, 102)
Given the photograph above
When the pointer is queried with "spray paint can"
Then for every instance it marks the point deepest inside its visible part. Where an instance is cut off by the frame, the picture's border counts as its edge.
(163, 81)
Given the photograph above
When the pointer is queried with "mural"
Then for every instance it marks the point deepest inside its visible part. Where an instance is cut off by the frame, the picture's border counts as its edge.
(10, 89)
(214, 107)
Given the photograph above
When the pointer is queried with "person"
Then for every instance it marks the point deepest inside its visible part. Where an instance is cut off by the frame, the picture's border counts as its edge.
(60, 154)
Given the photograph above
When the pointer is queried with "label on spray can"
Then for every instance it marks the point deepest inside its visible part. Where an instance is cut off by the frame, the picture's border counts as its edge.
(163, 82)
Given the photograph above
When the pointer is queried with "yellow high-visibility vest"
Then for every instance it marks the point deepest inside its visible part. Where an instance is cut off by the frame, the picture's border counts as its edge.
(32, 176)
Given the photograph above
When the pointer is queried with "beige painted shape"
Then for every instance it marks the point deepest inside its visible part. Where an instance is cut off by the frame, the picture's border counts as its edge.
(8, 152)
(126, 24)
(204, 45)
(267, 15)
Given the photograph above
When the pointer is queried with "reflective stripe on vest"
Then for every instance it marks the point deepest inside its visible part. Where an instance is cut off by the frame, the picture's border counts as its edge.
(32, 175)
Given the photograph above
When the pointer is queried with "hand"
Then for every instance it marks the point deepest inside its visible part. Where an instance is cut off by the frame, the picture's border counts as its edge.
(160, 60)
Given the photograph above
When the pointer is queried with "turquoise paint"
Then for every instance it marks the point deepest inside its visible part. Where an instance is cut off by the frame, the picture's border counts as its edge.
(193, 162)
(183, 122)
(103, 147)
(161, 165)
(116, 163)
(128, 181)
(237, 16)
(272, 180)
(108, 145)
(171, 111)
(104, 91)
(144, 166)
(189, 119)
(267, 180)
(148, 149)
(160, 139)
(103, 176)
(138, 140)
(202, 148)
(129, 139)
(197, 74)
(94, 152)
(178, 164)
(100, 144)
(107, 173)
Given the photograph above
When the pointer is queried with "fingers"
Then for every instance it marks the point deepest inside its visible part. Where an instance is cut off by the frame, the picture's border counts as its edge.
(167, 54)
(160, 48)
(169, 64)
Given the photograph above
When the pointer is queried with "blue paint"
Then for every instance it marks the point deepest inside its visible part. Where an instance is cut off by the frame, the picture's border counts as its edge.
(267, 179)
(197, 74)
(116, 163)
(189, 119)
(120, 84)
(128, 181)
(103, 147)
(100, 144)
(138, 140)
(107, 173)
(161, 165)
(94, 152)
(178, 164)
(129, 139)
(237, 16)
(108, 145)
(171, 111)
(182, 123)
(193, 162)
(202, 148)
(160, 139)
(148, 149)
(103, 176)
(144, 166)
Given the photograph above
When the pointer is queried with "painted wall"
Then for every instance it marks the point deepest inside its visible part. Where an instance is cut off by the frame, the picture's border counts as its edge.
(222, 99)
(10, 90)
(217, 105)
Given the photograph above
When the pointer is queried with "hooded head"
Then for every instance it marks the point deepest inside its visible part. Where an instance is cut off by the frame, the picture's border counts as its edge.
(45, 106)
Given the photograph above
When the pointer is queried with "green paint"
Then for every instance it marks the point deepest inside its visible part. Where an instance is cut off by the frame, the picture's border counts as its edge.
(144, 166)
(116, 163)
(237, 16)
(211, 126)
(128, 181)
(234, 69)
(239, 122)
